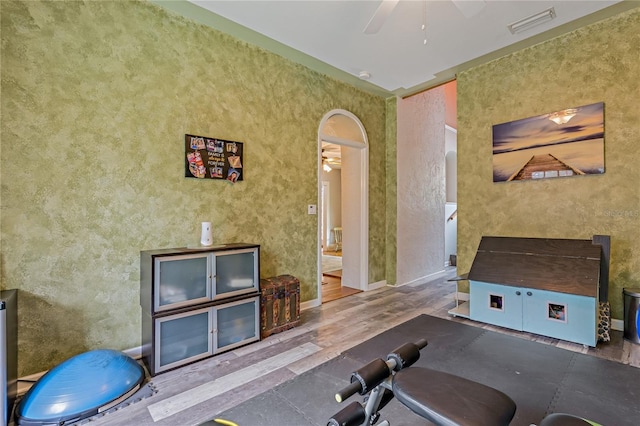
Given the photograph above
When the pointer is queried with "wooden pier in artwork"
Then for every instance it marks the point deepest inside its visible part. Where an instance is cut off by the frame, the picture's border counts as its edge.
(544, 166)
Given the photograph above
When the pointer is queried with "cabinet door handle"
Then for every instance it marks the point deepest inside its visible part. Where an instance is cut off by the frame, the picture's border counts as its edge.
(518, 293)
(529, 293)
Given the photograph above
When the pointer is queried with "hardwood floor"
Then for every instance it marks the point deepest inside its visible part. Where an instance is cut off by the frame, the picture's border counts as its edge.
(196, 393)
(332, 288)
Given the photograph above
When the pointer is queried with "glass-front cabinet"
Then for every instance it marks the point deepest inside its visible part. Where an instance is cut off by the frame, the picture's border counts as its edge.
(181, 281)
(197, 303)
(182, 338)
(234, 272)
(236, 324)
(189, 279)
(194, 335)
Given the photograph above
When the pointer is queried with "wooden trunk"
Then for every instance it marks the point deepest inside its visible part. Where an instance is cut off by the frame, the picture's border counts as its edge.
(279, 304)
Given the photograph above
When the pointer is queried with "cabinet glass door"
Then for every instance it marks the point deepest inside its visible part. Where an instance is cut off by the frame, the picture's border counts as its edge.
(182, 338)
(235, 272)
(237, 324)
(181, 281)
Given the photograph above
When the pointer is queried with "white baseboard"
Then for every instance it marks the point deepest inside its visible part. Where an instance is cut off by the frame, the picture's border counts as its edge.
(422, 280)
(24, 383)
(135, 353)
(617, 324)
(310, 304)
(376, 285)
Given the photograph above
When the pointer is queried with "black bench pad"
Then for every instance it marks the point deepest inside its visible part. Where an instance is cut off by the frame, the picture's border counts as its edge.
(446, 399)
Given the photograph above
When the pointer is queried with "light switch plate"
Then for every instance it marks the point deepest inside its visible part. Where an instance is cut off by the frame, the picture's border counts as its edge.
(311, 209)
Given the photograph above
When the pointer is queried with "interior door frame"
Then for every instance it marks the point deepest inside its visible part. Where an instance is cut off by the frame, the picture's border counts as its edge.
(360, 254)
(325, 203)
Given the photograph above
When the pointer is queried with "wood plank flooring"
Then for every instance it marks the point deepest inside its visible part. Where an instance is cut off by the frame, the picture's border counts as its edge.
(332, 288)
(198, 392)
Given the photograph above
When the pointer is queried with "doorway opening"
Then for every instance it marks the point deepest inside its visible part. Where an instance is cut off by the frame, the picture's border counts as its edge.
(451, 174)
(343, 230)
(331, 224)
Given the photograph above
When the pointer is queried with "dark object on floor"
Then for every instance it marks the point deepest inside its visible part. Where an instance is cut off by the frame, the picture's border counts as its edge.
(80, 387)
(604, 241)
(8, 353)
(541, 379)
(631, 314)
(279, 304)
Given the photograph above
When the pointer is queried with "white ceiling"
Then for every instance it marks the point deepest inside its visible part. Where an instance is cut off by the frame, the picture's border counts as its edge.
(330, 34)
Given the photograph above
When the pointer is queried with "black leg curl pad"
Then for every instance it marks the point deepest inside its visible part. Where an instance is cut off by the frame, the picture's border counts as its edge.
(351, 415)
(371, 375)
(404, 356)
(449, 400)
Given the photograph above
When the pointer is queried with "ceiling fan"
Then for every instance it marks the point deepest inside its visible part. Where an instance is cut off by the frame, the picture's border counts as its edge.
(331, 158)
(468, 8)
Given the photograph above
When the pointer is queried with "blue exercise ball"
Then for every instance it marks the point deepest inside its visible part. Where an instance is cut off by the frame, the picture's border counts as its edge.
(80, 387)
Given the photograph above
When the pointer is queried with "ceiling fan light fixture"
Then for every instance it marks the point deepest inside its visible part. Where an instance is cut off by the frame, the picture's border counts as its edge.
(382, 13)
(532, 21)
(469, 8)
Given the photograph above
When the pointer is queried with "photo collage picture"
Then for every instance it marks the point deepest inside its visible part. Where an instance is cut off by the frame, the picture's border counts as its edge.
(210, 158)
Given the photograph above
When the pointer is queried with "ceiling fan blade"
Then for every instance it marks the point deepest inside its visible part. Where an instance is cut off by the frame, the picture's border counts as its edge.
(381, 15)
(469, 8)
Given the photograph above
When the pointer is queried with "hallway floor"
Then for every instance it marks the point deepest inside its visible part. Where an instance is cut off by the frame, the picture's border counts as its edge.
(332, 288)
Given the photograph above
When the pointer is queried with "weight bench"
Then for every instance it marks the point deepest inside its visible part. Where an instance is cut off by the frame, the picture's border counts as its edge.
(446, 399)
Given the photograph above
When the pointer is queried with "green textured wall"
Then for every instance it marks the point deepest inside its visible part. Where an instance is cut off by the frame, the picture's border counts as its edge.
(391, 190)
(597, 63)
(96, 99)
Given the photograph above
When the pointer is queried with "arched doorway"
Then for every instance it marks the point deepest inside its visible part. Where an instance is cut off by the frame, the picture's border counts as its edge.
(343, 128)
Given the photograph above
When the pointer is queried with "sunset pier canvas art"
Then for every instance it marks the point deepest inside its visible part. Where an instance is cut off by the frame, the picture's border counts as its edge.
(564, 143)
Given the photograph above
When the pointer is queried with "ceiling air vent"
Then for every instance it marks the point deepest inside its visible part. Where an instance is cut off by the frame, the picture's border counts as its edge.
(532, 21)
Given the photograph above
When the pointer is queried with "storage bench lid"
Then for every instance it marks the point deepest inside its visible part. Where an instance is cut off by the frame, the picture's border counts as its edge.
(560, 265)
